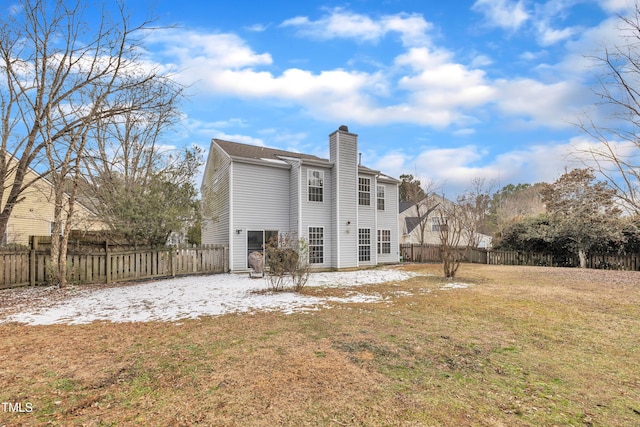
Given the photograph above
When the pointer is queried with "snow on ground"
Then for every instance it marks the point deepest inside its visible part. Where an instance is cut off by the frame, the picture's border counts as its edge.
(188, 297)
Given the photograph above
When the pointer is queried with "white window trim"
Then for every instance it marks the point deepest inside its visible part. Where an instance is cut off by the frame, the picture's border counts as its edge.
(381, 241)
(315, 245)
(364, 245)
(309, 186)
(362, 192)
(378, 198)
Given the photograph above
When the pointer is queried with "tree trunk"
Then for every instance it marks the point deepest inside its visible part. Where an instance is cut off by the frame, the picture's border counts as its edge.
(58, 245)
(54, 272)
(450, 264)
(582, 255)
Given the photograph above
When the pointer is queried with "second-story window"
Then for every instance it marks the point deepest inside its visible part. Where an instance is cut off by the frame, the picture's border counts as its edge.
(364, 191)
(438, 223)
(316, 185)
(380, 197)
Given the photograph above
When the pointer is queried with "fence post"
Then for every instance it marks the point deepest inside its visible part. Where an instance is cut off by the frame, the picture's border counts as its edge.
(172, 258)
(32, 261)
(154, 260)
(107, 263)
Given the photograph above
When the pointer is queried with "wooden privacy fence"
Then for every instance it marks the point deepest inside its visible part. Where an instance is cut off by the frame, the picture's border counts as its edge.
(30, 267)
(433, 253)
(519, 258)
(629, 262)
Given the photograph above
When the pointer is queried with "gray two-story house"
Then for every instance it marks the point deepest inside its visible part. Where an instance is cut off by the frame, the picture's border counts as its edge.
(346, 212)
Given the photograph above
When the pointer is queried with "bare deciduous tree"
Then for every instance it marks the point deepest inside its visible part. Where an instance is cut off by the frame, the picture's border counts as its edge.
(451, 222)
(460, 224)
(142, 188)
(64, 76)
(424, 202)
(616, 151)
(475, 204)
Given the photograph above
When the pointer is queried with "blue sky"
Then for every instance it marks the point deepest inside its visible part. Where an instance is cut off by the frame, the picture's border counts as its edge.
(447, 91)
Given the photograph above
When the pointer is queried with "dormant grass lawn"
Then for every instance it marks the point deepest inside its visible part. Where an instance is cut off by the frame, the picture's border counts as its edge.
(523, 346)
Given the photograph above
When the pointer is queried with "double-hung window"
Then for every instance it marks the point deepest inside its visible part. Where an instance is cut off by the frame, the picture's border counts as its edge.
(364, 191)
(316, 245)
(380, 194)
(364, 244)
(384, 241)
(438, 223)
(316, 185)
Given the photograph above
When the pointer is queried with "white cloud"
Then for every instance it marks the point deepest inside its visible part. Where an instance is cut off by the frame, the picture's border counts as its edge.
(615, 6)
(234, 121)
(440, 87)
(392, 164)
(194, 50)
(453, 169)
(433, 93)
(480, 61)
(245, 139)
(548, 36)
(543, 19)
(505, 14)
(257, 28)
(554, 105)
(340, 23)
(423, 85)
(530, 56)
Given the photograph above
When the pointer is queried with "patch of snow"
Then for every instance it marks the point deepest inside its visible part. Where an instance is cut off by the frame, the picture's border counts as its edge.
(192, 297)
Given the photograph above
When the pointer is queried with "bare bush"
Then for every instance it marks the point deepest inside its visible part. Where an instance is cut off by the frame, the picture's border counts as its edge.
(287, 261)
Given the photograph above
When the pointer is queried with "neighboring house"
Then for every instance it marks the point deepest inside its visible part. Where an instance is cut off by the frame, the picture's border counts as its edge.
(33, 215)
(346, 212)
(431, 215)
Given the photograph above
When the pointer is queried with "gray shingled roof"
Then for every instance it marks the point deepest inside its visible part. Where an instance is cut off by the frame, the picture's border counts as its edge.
(247, 151)
(405, 205)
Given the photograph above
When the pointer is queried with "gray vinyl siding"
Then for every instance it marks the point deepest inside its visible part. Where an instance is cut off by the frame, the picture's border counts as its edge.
(388, 220)
(344, 154)
(243, 191)
(260, 201)
(318, 214)
(295, 182)
(215, 199)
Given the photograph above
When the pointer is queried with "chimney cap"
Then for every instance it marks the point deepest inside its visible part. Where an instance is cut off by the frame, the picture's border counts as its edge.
(344, 128)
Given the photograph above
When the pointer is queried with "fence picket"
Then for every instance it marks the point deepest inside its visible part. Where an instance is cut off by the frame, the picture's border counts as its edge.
(431, 253)
(21, 268)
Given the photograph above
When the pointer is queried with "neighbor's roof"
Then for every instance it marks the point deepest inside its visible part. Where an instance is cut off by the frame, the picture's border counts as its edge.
(405, 205)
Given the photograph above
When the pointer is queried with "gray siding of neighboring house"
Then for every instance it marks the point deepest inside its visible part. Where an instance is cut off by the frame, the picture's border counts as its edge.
(318, 214)
(215, 198)
(388, 220)
(367, 217)
(260, 201)
(344, 154)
